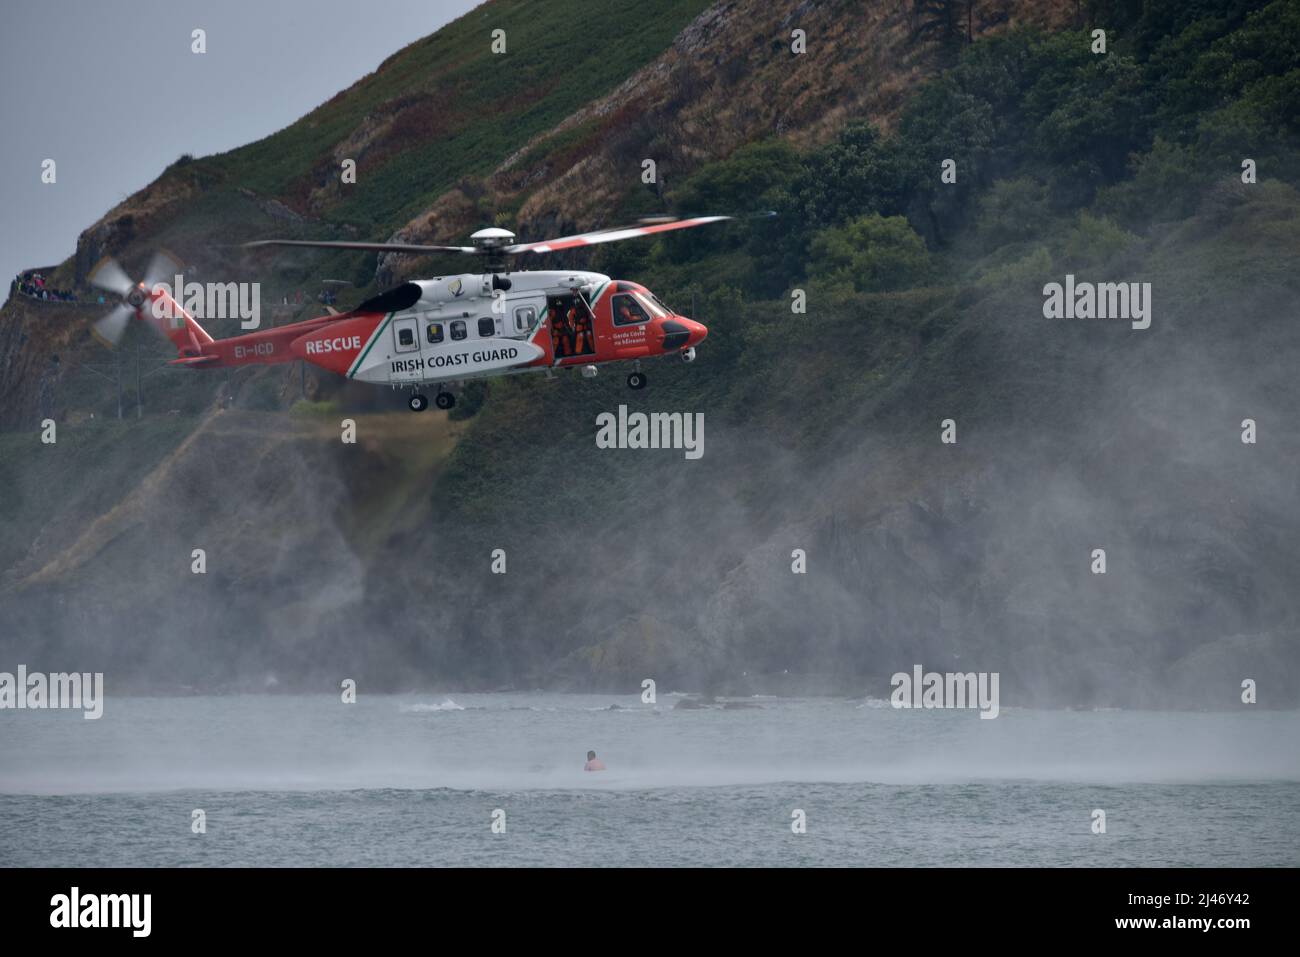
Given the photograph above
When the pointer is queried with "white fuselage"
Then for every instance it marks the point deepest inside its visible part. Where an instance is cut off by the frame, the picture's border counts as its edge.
(465, 327)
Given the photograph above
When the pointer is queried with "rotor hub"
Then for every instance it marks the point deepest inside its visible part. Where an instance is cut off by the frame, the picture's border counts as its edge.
(492, 238)
(491, 243)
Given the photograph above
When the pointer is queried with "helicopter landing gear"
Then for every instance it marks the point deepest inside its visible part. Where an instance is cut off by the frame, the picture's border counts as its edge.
(417, 402)
(636, 380)
(444, 400)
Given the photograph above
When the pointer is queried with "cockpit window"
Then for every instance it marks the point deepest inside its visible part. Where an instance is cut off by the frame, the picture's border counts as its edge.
(628, 311)
(647, 300)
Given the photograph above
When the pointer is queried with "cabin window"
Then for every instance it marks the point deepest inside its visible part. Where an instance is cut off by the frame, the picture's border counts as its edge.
(433, 332)
(525, 318)
(404, 334)
(627, 311)
(458, 330)
(487, 326)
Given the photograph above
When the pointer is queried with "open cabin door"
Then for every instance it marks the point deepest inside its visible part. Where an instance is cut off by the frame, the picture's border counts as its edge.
(573, 328)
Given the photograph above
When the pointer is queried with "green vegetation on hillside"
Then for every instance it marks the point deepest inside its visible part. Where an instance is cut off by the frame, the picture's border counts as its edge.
(472, 107)
(1040, 128)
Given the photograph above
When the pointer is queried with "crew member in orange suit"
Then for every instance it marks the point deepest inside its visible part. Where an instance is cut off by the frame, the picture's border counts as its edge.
(559, 340)
(580, 322)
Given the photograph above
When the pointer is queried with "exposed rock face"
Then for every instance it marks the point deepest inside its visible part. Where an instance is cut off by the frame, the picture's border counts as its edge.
(274, 209)
(719, 86)
(33, 338)
(449, 221)
(136, 218)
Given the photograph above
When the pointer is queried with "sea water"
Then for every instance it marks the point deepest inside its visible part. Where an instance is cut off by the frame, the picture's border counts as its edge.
(497, 780)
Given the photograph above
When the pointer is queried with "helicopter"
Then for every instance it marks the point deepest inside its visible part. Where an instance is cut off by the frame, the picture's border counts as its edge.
(445, 330)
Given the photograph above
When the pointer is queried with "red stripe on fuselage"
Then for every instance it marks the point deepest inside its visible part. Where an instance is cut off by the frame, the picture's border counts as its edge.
(336, 346)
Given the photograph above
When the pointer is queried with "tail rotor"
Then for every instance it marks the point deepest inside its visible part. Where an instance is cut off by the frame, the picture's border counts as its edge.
(109, 276)
(110, 328)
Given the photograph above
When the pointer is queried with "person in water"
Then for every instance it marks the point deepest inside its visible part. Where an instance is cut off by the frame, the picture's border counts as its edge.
(593, 763)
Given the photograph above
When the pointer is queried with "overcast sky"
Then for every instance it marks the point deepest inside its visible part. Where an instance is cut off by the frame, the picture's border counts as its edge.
(113, 94)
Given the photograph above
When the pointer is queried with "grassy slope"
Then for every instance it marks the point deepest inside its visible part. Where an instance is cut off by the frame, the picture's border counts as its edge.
(496, 102)
(94, 467)
(49, 489)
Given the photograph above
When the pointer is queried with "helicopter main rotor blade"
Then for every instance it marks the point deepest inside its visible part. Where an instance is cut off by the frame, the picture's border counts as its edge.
(610, 235)
(488, 244)
(366, 247)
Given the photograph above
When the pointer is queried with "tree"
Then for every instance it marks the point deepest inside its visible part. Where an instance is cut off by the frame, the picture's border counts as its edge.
(872, 253)
(945, 23)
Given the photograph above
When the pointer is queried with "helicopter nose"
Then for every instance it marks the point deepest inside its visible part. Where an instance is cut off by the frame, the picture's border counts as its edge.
(697, 330)
(681, 333)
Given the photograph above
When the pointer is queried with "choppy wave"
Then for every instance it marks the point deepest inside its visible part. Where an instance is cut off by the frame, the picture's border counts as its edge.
(421, 707)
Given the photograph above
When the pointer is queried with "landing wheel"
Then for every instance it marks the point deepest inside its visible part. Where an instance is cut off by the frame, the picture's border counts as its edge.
(636, 380)
(417, 402)
(444, 400)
